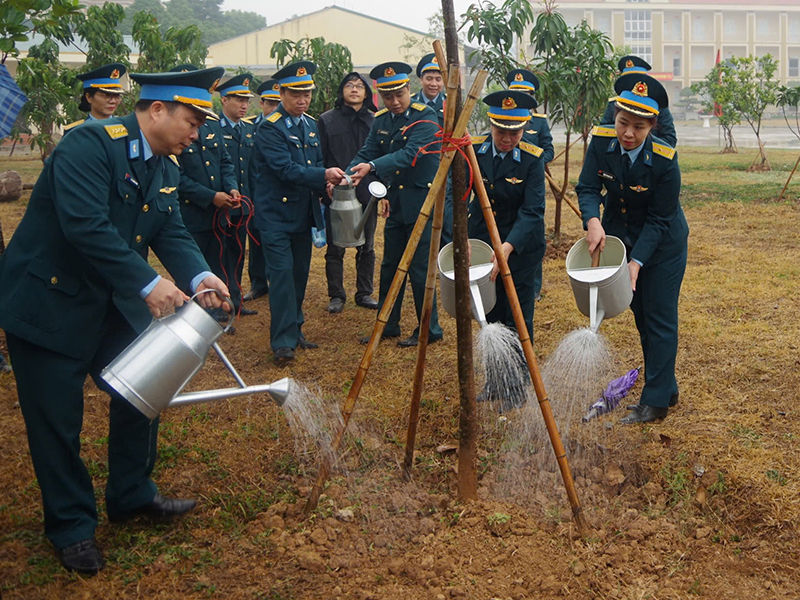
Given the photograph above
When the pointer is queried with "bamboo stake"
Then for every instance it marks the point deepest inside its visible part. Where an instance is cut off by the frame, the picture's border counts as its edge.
(527, 347)
(438, 184)
(557, 193)
(786, 185)
(430, 282)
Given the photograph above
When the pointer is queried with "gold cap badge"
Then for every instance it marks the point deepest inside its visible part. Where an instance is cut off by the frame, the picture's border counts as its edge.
(213, 86)
(519, 77)
(389, 72)
(509, 104)
(629, 64)
(301, 71)
(115, 74)
(246, 83)
(276, 87)
(640, 89)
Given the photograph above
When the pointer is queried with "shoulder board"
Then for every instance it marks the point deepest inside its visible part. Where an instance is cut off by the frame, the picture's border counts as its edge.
(249, 119)
(174, 159)
(664, 150)
(479, 139)
(116, 131)
(309, 116)
(381, 111)
(274, 117)
(214, 118)
(419, 106)
(543, 116)
(604, 131)
(75, 124)
(613, 98)
(531, 149)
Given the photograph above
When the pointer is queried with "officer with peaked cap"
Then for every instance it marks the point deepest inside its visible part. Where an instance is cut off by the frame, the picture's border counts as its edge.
(208, 190)
(291, 180)
(269, 93)
(76, 288)
(238, 132)
(101, 94)
(396, 136)
(642, 184)
(513, 174)
(665, 128)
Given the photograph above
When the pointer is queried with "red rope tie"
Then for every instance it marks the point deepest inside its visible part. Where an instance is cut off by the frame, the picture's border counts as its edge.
(220, 230)
(448, 144)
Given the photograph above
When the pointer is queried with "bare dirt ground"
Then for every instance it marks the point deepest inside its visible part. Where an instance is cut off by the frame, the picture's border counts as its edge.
(705, 503)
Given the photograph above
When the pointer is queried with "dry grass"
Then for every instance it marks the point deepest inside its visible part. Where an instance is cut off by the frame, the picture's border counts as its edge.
(737, 420)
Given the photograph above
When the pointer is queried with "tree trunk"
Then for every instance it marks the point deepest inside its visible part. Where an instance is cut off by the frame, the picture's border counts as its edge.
(10, 186)
(557, 224)
(468, 420)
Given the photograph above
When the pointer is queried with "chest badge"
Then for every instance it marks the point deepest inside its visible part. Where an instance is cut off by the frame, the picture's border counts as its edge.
(210, 136)
(312, 134)
(638, 188)
(129, 178)
(605, 175)
(513, 180)
(167, 190)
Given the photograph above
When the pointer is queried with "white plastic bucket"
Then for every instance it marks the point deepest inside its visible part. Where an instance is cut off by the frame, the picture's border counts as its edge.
(482, 290)
(601, 292)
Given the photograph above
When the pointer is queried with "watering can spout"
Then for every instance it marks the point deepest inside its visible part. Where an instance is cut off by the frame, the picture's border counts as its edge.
(477, 304)
(279, 391)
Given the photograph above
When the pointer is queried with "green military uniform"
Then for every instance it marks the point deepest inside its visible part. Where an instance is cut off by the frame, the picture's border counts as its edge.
(72, 283)
(391, 146)
(642, 208)
(207, 168)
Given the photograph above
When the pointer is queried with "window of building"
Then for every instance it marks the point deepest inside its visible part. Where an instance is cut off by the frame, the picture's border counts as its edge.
(730, 27)
(639, 33)
(699, 29)
(794, 67)
(676, 66)
(794, 28)
(677, 29)
(699, 62)
(762, 26)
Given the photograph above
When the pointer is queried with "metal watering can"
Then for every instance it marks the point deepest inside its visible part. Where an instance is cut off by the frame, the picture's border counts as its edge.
(157, 365)
(347, 217)
(603, 291)
(482, 289)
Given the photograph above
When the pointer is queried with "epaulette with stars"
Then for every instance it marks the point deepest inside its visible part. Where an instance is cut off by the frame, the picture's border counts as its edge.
(667, 152)
(274, 117)
(531, 149)
(419, 106)
(71, 125)
(604, 131)
(381, 111)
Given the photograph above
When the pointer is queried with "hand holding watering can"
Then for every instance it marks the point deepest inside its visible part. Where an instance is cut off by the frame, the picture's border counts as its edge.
(165, 296)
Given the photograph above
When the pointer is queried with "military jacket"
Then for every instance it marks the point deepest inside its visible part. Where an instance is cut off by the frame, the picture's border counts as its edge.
(392, 145)
(240, 144)
(290, 174)
(537, 132)
(439, 104)
(666, 124)
(206, 168)
(83, 241)
(644, 209)
(516, 192)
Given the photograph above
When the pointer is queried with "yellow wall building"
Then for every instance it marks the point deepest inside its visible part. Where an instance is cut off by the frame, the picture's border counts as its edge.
(680, 38)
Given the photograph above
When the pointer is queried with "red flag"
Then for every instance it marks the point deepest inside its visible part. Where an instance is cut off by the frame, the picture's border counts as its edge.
(717, 107)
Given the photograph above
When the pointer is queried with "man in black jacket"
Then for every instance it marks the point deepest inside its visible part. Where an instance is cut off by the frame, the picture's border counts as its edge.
(342, 132)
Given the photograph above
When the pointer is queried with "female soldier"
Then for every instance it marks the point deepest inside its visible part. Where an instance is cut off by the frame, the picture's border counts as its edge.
(643, 181)
(101, 93)
(513, 173)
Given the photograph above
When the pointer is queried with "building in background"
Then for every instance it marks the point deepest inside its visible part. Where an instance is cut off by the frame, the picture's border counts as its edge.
(680, 38)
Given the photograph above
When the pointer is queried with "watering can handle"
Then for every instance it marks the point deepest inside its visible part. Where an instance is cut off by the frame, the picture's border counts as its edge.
(596, 257)
(225, 299)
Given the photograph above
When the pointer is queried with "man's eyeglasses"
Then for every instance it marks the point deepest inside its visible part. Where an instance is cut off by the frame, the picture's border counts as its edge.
(354, 86)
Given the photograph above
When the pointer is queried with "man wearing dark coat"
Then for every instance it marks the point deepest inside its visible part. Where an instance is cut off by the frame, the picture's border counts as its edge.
(342, 132)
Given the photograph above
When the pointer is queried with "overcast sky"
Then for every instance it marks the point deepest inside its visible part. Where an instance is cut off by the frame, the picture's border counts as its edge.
(414, 13)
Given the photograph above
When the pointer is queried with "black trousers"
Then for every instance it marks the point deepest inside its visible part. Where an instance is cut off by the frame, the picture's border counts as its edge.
(365, 261)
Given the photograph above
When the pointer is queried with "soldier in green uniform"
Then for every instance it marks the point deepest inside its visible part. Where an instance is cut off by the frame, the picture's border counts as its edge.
(392, 144)
(208, 188)
(101, 95)
(642, 180)
(269, 93)
(291, 180)
(665, 128)
(537, 132)
(239, 135)
(76, 288)
(513, 173)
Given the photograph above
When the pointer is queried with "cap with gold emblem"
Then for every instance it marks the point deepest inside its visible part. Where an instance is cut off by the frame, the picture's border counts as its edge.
(193, 88)
(640, 94)
(509, 109)
(297, 76)
(106, 78)
(390, 76)
(522, 80)
(238, 85)
(427, 63)
(633, 64)
(270, 90)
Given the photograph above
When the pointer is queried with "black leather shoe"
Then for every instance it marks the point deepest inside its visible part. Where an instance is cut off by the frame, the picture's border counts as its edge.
(246, 312)
(159, 507)
(253, 294)
(367, 302)
(84, 557)
(413, 340)
(283, 356)
(336, 305)
(306, 345)
(644, 414)
(365, 340)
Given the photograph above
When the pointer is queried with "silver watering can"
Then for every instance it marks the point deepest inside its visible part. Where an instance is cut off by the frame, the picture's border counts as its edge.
(157, 365)
(481, 288)
(347, 217)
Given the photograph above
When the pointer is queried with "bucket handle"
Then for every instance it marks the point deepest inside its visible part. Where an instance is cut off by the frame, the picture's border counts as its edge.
(224, 299)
